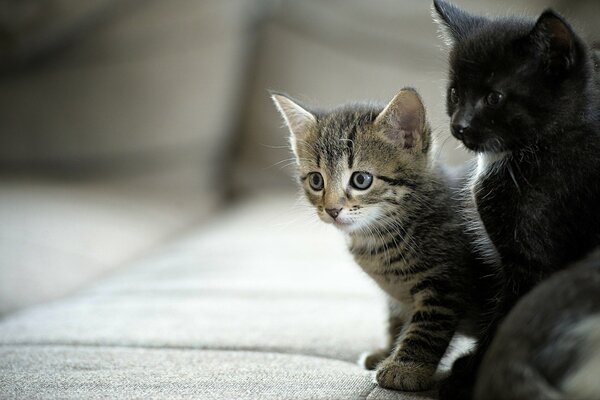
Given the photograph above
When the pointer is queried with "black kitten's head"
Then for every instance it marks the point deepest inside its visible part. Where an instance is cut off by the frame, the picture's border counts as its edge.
(511, 79)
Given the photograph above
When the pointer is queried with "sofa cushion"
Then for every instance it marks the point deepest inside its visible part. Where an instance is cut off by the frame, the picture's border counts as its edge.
(57, 235)
(259, 289)
(248, 279)
(65, 372)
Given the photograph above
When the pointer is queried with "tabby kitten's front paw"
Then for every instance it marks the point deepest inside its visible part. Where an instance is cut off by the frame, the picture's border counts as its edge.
(370, 361)
(405, 376)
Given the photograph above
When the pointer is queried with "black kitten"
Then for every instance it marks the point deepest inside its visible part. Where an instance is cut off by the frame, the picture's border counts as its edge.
(524, 95)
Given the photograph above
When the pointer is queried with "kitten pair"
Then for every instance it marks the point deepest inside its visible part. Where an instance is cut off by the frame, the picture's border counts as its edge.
(369, 171)
(524, 95)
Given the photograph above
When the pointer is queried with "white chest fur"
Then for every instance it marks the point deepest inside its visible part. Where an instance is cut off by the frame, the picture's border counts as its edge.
(486, 162)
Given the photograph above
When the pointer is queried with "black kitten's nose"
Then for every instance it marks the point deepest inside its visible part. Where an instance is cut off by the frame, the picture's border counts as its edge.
(460, 130)
(333, 212)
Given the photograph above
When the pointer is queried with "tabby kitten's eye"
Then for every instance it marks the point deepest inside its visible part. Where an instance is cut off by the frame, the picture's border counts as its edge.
(361, 180)
(494, 99)
(453, 96)
(315, 180)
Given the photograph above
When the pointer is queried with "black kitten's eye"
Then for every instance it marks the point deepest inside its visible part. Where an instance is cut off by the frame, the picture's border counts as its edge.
(494, 99)
(453, 96)
(361, 180)
(315, 180)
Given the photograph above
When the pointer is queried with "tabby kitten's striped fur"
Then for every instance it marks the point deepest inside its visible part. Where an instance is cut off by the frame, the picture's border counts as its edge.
(368, 171)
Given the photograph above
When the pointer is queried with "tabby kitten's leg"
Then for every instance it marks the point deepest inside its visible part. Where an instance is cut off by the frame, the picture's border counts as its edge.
(461, 382)
(396, 320)
(411, 367)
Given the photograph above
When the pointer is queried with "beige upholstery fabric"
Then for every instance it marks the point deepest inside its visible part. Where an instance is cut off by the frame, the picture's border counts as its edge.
(251, 279)
(259, 303)
(56, 236)
(150, 87)
(126, 373)
(31, 28)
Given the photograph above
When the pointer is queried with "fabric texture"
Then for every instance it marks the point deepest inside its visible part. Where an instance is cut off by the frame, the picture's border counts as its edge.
(150, 86)
(57, 236)
(125, 373)
(258, 303)
(32, 28)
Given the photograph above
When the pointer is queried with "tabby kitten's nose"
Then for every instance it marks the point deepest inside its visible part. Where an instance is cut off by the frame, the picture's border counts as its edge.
(333, 212)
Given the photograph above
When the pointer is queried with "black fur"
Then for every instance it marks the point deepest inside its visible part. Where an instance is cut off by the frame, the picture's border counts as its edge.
(540, 204)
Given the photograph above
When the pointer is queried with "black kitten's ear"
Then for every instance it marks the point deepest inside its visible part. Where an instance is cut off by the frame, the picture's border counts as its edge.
(403, 121)
(455, 23)
(555, 40)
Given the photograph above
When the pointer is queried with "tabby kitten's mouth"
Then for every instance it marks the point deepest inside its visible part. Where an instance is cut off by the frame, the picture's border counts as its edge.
(352, 225)
(341, 223)
(346, 225)
(338, 222)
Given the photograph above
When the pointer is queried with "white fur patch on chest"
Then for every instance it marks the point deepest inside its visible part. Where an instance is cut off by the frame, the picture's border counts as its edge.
(486, 162)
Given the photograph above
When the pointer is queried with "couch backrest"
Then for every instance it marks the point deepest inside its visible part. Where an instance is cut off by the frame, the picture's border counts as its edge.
(144, 85)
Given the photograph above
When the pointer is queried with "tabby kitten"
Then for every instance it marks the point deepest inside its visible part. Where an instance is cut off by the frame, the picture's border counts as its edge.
(548, 347)
(523, 94)
(368, 171)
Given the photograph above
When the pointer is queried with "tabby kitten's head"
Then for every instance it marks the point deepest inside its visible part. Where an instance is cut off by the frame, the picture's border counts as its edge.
(512, 80)
(356, 162)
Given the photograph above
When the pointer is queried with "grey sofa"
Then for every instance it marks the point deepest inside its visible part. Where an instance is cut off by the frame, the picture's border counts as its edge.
(150, 244)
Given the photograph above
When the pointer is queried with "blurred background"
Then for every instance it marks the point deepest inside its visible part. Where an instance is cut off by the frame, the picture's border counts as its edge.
(126, 123)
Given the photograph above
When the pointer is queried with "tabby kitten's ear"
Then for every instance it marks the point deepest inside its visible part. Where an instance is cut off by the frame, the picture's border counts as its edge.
(299, 120)
(555, 41)
(455, 23)
(403, 122)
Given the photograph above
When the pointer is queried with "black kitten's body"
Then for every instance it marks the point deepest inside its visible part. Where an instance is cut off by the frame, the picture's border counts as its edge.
(523, 94)
(542, 211)
(548, 355)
